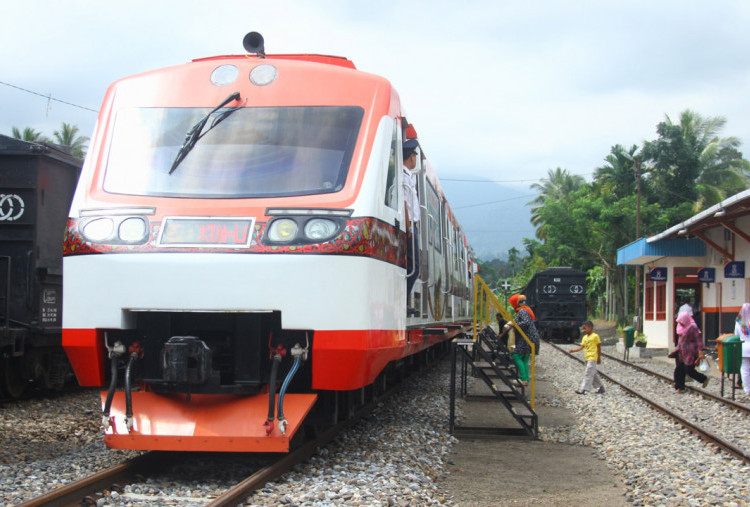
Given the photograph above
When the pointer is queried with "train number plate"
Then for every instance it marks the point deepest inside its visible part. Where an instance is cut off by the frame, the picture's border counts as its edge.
(226, 232)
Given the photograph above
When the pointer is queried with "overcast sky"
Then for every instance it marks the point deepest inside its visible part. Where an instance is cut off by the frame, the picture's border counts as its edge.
(497, 89)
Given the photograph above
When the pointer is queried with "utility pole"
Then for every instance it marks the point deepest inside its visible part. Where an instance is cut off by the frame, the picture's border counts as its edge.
(638, 271)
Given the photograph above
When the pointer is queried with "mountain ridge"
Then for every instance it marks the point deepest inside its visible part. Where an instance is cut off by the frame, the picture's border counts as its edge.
(494, 217)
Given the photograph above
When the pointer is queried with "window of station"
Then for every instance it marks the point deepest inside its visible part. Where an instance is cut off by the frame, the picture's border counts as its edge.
(656, 300)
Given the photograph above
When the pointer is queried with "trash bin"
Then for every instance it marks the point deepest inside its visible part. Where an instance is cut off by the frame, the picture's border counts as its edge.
(629, 336)
(730, 349)
(720, 349)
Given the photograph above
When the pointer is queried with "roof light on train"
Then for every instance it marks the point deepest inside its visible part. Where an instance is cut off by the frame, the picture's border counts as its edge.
(282, 230)
(320, 229)
(98, 230)
(224, 75)
(132, 230)
(263, 74)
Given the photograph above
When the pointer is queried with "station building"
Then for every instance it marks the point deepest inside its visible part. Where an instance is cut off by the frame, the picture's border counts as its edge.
(700, 261)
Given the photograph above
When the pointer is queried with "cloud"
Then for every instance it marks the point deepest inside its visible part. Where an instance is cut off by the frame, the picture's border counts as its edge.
(494, 88)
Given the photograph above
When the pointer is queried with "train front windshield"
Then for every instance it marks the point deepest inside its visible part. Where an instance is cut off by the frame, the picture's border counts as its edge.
(253, 152)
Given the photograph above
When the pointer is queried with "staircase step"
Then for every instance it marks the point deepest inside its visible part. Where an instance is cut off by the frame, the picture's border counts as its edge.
(523, 412)
(502, 388)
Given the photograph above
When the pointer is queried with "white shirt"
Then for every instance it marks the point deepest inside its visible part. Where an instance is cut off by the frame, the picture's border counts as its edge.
(409, 182)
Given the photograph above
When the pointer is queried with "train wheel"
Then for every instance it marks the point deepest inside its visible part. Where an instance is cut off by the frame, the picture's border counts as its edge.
(13, 384)
(575, 335)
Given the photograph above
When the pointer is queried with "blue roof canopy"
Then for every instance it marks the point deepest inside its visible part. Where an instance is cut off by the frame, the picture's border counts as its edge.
(642, 251)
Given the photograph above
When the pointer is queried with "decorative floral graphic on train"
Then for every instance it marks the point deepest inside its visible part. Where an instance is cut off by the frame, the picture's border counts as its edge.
(367, 237)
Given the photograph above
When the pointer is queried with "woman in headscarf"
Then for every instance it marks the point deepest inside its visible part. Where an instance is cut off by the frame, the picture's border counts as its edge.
(689, 351)
(522, 351)
(742, 329)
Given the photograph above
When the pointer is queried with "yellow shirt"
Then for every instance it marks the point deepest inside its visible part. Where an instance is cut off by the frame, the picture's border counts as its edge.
(589, 342)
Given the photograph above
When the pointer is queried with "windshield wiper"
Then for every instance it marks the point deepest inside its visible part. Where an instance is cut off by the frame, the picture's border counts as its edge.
(196, 132)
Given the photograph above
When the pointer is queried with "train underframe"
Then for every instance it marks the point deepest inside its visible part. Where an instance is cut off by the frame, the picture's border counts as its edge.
(559, 331)
(234, 382)
(31, 361)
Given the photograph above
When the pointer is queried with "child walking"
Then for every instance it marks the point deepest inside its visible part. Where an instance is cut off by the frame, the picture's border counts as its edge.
(593, 356)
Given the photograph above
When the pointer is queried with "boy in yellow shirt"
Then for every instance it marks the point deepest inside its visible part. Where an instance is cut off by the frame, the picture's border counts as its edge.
(593, 356)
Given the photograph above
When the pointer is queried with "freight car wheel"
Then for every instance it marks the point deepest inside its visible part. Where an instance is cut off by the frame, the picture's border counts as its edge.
(575, 335)
(12, 383)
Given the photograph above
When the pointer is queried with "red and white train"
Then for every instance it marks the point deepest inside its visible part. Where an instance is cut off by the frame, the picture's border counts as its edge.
(235, 255)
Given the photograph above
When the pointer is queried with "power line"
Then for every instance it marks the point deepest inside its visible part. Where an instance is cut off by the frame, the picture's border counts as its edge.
(494, 202)
(506, 181)
(49, 97)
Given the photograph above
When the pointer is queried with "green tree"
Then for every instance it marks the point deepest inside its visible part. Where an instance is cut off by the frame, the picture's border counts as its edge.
(694, 168)
(29, 134)
(618, 174)
(513, 260)
(68, 136)
(558, 185)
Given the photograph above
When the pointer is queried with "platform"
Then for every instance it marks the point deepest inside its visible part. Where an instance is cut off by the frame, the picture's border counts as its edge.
(525, 471)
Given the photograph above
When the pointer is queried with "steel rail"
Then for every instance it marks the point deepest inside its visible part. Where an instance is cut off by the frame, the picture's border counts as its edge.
(76, 492)
(80, 492)
(714, 397)
(239, 493)
(690, 426)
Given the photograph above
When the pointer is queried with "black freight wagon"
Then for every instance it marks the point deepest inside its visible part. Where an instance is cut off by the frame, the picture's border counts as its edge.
(37, 182)
(558, 298)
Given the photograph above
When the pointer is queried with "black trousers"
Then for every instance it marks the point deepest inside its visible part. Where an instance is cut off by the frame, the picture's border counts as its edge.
(681, 370)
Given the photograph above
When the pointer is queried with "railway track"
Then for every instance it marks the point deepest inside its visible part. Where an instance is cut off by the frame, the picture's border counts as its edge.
(88, 490)
(708, 434)
(706, 394)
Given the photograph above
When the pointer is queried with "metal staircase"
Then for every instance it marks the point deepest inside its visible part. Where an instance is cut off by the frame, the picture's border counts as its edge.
(486, 357)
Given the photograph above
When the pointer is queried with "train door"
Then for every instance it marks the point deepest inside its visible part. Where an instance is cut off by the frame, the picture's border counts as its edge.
(446, 237)
(436, 279)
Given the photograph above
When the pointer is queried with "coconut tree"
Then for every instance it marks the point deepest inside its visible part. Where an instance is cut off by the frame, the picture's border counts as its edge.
(693, 167)
(558, 185)
(68, 136)
(29, 134)
(618, 176)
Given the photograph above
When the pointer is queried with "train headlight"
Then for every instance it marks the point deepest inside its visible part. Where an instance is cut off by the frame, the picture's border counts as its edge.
(263, 75)
(98, 230)
(282, 230)
(320, 229)
(132, 230)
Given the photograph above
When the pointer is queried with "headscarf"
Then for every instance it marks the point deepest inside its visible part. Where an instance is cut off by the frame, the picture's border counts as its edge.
(518, 302)
(684, 322)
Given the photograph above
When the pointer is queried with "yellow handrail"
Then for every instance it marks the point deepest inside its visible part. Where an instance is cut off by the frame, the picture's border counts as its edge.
(484, 301)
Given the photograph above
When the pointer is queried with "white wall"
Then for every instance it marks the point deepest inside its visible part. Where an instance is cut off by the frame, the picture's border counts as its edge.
(726, 292)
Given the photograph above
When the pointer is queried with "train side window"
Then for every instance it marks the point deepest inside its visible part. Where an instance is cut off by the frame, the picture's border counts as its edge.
(391, 182)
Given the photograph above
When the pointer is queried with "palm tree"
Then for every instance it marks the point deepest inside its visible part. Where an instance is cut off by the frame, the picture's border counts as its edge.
(723, 172)
(693, 164)
(618, 175)
(558, 185)
(513, 260)
(68, 136)
(29, 134)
